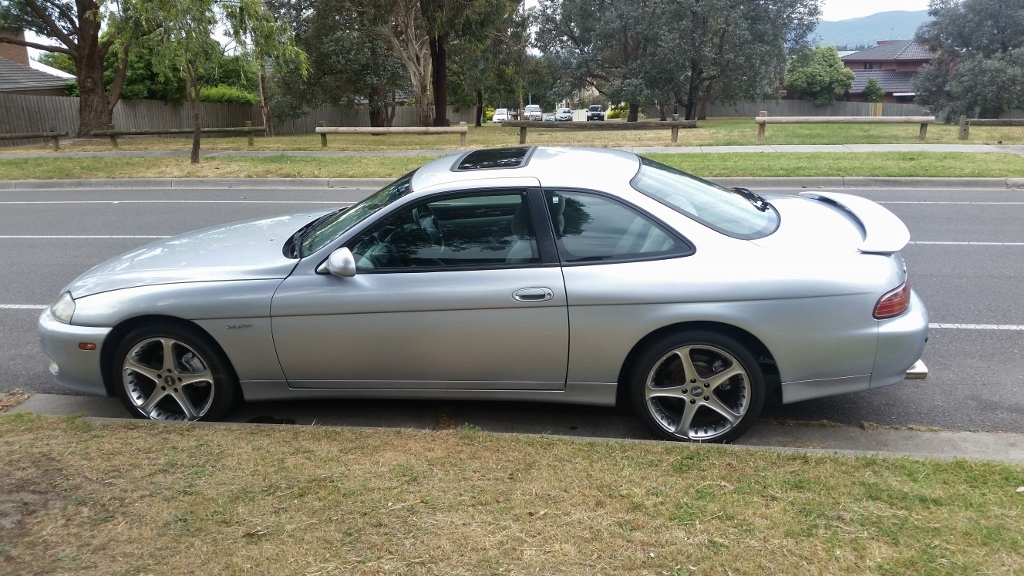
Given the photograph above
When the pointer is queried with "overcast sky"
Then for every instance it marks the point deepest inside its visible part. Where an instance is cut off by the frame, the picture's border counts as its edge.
(845, 9)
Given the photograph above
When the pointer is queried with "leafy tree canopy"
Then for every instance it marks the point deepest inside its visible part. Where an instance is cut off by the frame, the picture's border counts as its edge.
(818, 74)
(979, 63)
(874, 91)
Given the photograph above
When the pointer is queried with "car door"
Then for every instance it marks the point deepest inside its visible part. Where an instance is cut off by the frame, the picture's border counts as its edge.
(449, 293)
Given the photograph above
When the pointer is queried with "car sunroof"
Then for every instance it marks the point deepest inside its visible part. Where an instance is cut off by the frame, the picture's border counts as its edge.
(515, 157)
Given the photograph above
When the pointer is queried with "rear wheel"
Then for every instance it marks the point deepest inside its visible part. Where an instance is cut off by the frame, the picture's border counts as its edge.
(697, 386)
(170, 372)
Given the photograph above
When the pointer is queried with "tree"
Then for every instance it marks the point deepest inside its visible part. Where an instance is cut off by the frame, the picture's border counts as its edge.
(818, 74)
(979, 62)
(76, 27)
(874, 91)
(349, 61)
(183, 34)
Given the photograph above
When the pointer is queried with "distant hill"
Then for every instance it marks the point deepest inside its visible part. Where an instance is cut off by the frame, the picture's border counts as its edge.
(866, 31)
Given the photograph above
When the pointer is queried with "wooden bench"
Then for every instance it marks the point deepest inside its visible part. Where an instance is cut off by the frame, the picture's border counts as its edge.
(764, 120)
(673, 125)
(965, 124)
(248, 130)
(462, 130)
(55, 136)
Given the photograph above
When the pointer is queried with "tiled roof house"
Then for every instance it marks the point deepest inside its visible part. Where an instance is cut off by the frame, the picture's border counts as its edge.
(893, 63)
(18, 77)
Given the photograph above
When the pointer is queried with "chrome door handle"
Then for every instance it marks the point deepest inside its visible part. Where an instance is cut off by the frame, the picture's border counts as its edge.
(533, 294)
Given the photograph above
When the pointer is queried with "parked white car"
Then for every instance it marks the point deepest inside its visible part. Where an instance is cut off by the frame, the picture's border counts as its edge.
(501, 115)
(533, 112)
(563, 114)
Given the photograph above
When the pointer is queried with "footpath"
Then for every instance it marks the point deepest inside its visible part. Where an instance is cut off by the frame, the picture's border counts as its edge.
(813, 438)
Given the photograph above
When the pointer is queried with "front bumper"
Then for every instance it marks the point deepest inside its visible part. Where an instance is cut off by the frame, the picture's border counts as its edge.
(72, 367)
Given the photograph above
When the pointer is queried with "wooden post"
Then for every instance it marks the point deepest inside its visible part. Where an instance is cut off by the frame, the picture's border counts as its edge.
(924, 130)
(761, 127)
(965, 129)
(248, 133)
(462, 135)
(113, 137)
(323, 137)
(56, 140)
(522, 135)
(675, 134)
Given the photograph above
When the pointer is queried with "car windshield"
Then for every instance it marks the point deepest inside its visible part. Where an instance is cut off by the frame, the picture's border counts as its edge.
(595, 108)
(734, 212)
(338, 223)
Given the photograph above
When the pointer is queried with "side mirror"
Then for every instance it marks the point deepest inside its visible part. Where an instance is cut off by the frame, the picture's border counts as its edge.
(340, 263)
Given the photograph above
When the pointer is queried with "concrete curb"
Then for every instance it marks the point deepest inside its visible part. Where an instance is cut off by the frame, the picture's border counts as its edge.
(374, 183)
(765, 435)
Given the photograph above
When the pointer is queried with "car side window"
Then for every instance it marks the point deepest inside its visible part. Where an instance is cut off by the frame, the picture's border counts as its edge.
(486, 229)
(593, 228)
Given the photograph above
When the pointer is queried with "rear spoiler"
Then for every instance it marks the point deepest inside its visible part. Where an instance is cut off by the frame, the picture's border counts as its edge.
(884, 232)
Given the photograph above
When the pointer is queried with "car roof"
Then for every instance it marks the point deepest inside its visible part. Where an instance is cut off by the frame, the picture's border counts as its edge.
(575, 167)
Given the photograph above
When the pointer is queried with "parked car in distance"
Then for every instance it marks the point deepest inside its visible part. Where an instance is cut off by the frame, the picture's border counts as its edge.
(533, 112)
(563, 114)
(595, 112)
(549, 118)
(501, 115)
(572, 275)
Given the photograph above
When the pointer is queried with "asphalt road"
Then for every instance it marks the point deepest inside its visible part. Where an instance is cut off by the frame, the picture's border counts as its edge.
(966, 260)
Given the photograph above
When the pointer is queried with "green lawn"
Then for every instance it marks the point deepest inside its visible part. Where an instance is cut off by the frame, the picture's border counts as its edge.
(712, 132)
(144, 498)
(923, 164)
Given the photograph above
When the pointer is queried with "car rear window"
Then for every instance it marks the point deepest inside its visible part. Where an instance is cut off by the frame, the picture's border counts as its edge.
(722, 209)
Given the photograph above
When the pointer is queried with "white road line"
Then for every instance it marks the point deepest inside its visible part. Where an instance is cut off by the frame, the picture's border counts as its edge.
(86, 237)
(332, 202)
(979, 326)
(967, 243)
(21, 307)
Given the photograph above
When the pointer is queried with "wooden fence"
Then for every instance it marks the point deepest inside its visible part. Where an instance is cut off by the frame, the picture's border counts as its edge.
(21, 114)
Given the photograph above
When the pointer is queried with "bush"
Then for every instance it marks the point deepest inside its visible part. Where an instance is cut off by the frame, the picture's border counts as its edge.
(617, 111)
(488, 114)
(227, 95)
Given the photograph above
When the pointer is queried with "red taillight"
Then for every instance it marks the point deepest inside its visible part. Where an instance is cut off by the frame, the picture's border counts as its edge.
(893, 303)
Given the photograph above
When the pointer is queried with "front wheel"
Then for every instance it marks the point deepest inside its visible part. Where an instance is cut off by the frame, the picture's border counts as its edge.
(697, 386)
(170, 372)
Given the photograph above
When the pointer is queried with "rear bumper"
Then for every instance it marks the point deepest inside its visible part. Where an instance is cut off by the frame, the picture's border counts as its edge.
(900, 344)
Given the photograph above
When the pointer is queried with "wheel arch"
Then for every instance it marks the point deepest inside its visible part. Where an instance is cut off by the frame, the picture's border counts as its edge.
(117, 334)
(756, 347)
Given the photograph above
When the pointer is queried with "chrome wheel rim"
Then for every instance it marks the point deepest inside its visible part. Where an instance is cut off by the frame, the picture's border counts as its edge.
(697, 392)
(167, 379)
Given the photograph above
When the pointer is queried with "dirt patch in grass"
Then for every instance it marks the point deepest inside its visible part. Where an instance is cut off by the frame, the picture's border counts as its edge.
(11, 398)
(139, 498)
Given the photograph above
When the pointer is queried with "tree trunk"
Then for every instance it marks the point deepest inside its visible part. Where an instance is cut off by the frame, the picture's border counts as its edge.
(439, 77)
(94, 109)
(661, 112)
(634, 112)
(268, 120)
(479, 108)
(192, 91)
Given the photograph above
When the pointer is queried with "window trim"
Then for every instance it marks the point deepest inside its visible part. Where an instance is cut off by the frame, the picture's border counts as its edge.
(687, 247)
(546, 261)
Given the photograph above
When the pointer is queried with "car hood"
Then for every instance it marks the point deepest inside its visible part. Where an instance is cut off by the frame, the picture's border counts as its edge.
(832, 221)
(249, 250)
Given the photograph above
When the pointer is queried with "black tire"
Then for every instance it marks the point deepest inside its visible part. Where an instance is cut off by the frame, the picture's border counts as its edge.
(197, 384)
(723, 378)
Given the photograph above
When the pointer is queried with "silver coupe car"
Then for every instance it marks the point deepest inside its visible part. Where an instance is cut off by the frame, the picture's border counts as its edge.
(574, 275)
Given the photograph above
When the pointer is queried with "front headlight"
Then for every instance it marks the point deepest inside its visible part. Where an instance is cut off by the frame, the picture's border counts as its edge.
(63, 308)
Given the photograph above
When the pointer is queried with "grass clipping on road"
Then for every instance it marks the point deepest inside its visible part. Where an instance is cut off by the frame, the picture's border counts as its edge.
(764, 164)
(135, 497)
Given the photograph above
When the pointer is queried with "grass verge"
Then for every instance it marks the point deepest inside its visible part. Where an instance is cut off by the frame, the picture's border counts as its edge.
(712, 132)
(889, 164)
(134, 498)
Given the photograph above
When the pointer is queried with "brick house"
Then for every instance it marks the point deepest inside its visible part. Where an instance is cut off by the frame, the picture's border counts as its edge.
(893, 63)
